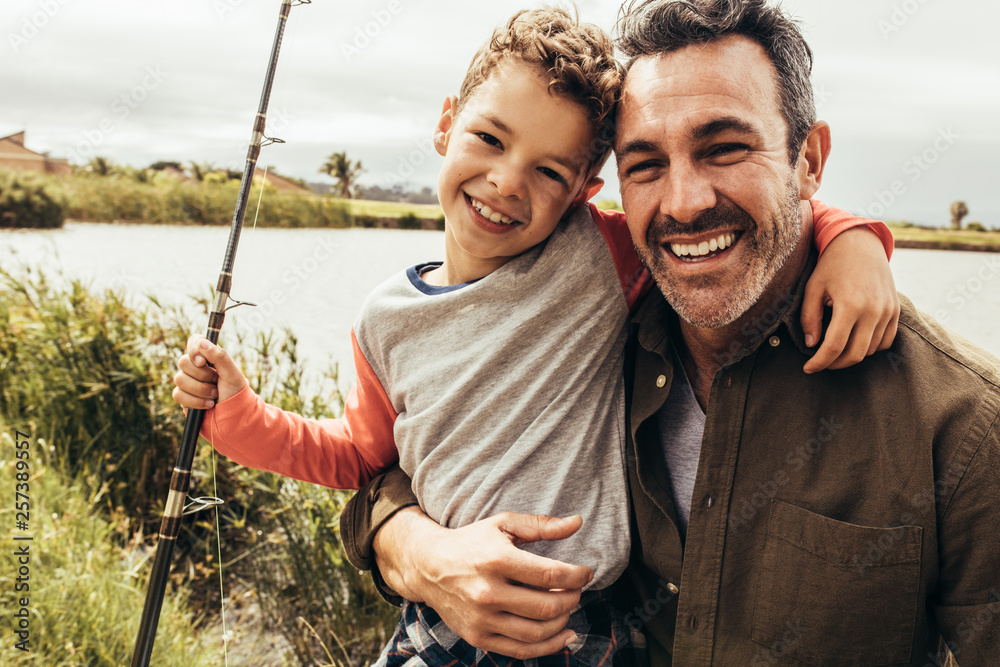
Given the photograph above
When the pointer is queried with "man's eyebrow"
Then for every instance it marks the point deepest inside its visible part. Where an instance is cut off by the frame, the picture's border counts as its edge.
(720, 125)
(637, 146)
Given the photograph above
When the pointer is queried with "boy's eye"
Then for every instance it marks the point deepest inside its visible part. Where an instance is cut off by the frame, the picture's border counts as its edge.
(554, 175)
(489, 139)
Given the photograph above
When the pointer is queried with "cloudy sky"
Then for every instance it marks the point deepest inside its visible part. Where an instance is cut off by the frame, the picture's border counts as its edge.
(910, 87)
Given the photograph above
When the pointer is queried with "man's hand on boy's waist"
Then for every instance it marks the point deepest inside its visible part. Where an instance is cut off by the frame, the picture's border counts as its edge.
(489, 592)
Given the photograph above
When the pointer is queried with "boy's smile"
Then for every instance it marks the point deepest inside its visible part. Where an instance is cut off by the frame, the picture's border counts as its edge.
(515, 161)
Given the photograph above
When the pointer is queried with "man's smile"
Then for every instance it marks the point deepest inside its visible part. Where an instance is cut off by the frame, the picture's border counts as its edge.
(705, 247)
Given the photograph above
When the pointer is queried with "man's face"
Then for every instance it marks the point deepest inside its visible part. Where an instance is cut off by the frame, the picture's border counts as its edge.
(710, 197)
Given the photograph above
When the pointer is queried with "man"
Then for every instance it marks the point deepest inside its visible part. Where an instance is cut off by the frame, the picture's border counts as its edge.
(838, 518)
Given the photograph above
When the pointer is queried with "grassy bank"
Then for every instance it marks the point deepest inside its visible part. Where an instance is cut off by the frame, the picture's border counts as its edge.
(153, 197)
(87, 376)
(908, 236)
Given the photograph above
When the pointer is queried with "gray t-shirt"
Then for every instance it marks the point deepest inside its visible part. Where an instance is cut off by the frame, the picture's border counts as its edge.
(509, 390)
(682, 425)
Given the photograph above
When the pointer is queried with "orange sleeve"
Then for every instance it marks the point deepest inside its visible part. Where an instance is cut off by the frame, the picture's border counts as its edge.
(829, 222)
(342, 453)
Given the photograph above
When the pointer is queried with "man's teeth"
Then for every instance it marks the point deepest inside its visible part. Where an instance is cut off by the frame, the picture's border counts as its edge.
(720, 242)
(490, 214)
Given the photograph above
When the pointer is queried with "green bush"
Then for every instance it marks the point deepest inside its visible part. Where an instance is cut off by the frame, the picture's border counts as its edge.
(410, 221)
(976, 227)
(30, 200)
(91, 375)
(85, 597)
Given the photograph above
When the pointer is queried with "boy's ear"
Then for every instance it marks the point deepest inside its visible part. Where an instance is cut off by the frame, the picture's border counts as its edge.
(443, 130)
(592, 187)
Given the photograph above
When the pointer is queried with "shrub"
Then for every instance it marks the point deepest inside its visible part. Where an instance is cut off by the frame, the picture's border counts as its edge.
(29, 200)
(410, 221)
(976, 227)
(91, 374)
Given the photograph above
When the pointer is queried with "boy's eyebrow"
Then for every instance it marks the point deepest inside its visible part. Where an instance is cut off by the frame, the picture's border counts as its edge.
(503, 127)
(500, 125)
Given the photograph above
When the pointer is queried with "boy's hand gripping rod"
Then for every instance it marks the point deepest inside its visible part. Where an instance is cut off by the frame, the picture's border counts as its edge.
(181, 477)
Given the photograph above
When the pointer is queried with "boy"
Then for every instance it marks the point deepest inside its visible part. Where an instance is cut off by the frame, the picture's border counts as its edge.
(524, 410)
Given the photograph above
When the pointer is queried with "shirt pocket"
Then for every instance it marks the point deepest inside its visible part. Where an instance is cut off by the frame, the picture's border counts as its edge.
(836, 593)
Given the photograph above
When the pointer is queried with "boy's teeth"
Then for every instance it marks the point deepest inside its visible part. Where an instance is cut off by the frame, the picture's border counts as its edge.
(490, 214)
(720, 242)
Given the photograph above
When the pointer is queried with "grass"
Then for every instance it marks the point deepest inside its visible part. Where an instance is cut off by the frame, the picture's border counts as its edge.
(390, 209)
(944, 237)
(85, 589)
(89, 374)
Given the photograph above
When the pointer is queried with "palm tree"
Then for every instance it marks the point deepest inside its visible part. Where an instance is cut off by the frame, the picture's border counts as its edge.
(958, 211)
(344, 171)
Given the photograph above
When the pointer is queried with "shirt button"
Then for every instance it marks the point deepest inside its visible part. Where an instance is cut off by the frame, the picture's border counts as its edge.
(660, 381)
(774, 341)
(673, 589)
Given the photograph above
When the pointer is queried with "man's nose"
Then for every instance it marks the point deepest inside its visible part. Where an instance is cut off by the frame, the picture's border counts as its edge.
(689, 193)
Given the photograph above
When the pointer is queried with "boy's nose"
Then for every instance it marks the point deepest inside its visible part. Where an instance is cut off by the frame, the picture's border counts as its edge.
(509, 181)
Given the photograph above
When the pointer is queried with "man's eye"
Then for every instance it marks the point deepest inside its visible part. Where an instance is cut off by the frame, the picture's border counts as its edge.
(640, 167)
(729, 150)
(554, 175)
(489, 139)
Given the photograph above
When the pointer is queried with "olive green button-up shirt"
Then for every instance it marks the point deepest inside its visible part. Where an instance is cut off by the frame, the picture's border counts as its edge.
(848, 517)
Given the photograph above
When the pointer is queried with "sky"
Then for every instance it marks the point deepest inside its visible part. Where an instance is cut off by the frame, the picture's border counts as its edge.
(911, 88)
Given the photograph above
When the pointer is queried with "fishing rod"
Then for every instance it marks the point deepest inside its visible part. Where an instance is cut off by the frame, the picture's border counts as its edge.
(180, 479)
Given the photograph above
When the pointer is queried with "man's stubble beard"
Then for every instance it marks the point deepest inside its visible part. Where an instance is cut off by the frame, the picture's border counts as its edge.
(766, 253)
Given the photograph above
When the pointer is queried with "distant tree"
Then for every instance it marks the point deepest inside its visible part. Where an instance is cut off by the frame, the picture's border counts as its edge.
(199, 171)
(163, 164)
(100, 166)
(958, 211)
(345, 171)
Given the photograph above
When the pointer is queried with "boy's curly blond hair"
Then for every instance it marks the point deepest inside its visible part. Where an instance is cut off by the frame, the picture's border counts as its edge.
(578, 57)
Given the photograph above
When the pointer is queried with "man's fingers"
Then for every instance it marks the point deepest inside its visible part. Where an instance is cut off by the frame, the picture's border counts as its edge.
(534, 527)
(524, 651)
(544, 573)
(202, 373)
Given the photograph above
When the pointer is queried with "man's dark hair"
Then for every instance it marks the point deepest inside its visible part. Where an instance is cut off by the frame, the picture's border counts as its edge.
(651, 27)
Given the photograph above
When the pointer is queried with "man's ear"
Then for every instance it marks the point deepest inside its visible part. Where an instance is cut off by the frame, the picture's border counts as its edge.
(443, 130)
(592, 187)
(812, 158)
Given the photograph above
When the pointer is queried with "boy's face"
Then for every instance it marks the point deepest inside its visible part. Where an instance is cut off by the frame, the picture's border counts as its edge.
(516, 158)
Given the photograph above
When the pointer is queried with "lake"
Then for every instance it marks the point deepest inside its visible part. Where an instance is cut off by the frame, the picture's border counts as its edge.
(315, 280)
